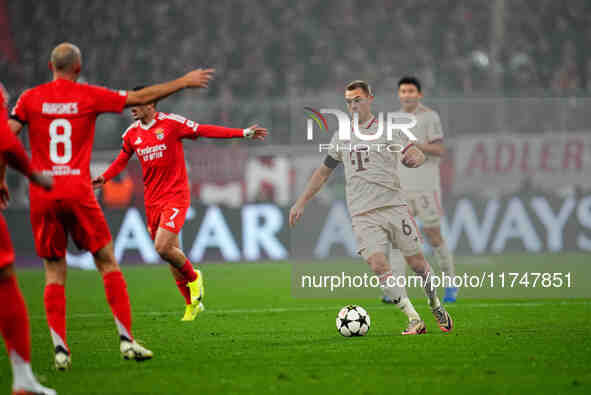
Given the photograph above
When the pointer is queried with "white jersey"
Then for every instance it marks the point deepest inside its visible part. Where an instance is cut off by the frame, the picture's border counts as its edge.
(371, 176)
(427, 130)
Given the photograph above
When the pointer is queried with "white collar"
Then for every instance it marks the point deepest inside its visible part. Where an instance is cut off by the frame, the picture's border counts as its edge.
(149, 125)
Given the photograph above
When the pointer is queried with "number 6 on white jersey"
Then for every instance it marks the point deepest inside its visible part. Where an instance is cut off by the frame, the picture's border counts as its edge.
(64, 138)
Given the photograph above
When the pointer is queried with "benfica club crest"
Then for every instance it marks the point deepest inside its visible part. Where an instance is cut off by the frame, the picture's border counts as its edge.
(159, 134)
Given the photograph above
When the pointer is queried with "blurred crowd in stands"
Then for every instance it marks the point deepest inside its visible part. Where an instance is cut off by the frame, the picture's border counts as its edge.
(280, 48)
(271, 52)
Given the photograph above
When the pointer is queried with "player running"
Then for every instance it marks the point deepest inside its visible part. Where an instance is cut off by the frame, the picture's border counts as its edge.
(422, 187)
(61, 117)
(379, 213)
(14, 320)
(156, 138)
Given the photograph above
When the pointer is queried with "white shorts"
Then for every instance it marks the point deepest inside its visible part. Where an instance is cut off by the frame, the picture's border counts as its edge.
(378, 229)
(426, 206)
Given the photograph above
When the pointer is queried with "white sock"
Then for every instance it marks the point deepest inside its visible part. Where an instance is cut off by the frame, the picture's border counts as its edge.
(398, 266)
(445, 259)
(430, 290)
(22, 374)
(407, 308)
(396, 293)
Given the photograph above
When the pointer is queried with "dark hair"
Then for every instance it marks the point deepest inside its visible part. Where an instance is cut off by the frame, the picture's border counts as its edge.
(139, 88)
(410, 80)
(360, 84)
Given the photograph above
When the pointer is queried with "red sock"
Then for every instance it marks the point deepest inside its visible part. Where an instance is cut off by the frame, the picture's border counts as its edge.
(14, 321)
(188, 272)
(182, 284)
(116, 291)
(55, 311)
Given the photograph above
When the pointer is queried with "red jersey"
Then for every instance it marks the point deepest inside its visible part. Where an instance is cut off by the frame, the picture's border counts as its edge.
(61, 117)
(10, 145)
(159, 149)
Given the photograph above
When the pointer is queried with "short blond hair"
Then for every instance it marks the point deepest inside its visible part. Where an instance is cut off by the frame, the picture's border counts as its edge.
(360, 84)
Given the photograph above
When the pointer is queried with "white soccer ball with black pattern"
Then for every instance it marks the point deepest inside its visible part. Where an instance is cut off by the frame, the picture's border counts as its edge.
(353, 320)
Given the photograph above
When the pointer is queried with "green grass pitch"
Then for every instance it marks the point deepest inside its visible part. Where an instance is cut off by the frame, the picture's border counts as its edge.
(255, 337)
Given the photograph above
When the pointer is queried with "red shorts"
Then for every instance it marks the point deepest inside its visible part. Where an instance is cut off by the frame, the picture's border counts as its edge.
(81, 218)
(170, 216)
(6, 251)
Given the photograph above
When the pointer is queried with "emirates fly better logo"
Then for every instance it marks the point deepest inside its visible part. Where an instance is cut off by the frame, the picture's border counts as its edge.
(397, 126)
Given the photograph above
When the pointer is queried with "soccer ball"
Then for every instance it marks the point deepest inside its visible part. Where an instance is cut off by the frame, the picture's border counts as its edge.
(353, 320)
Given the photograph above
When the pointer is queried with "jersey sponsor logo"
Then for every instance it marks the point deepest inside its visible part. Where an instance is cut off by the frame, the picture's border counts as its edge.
(60, 108)
(138, 141)
(152, 152)
(152, 149)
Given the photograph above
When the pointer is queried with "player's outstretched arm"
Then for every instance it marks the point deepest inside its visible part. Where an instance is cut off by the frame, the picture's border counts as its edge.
(254, 132)
(115, 168)
(315, 183)
(412, 156)
(195, 79)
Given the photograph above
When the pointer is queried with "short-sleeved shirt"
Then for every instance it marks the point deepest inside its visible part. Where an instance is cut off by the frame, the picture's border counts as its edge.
(61, 118)
(159, 149)
(371, 176)
(427, 130)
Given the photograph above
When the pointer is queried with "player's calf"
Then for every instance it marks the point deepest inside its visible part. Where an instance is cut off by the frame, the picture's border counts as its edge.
(167, 245)
(166, 251)
(104, 260)
(378, 263)
(54, 300)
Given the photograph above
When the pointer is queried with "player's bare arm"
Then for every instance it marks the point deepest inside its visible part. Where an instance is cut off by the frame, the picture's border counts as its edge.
(195, 79)
(315, 183)
(15, 126)
(433, 149)
(114, 169)
(14, 154)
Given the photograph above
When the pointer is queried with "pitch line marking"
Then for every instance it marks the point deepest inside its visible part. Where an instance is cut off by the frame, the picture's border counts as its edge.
(315, 309)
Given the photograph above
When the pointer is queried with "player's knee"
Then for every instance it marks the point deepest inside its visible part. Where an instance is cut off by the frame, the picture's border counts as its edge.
(105, 261)
(417, 262)
(55, 271)
(434, 236)
(105, 267)
(378, 263)
(164, 249)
